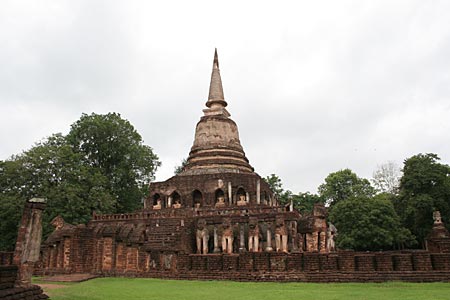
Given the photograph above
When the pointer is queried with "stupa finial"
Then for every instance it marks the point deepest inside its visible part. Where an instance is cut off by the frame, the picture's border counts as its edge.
(216, 97)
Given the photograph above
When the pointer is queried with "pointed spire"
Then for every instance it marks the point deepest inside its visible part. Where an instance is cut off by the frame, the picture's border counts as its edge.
(216, 60)
(215, 87)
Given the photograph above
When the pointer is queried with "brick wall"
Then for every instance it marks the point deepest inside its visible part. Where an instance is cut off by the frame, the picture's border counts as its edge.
(415, 266)
(8, 289)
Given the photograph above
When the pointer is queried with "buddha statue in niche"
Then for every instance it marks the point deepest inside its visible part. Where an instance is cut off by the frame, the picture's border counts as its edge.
(241, 201)
(220, 201)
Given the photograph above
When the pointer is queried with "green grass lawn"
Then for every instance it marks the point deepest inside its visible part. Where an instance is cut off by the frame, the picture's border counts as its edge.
(125, 288)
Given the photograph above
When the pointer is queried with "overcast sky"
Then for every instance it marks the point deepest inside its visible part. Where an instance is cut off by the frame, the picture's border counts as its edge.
(314, 86)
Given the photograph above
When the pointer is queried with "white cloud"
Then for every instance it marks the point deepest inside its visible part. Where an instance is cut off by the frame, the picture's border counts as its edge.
(313, 86)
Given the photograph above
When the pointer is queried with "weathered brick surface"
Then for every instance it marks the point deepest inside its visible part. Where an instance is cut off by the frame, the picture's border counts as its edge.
(328, 262)
(402, 262)
(8, 276)
(246, 261)
(198, 262)
(440, 261)
(365, 262)
(421, 261)
(9, 291)
(311, 262)
(6, 258)
(278, 262)
(230, 262)
(214, 262)
(346, 261)
(383, 262)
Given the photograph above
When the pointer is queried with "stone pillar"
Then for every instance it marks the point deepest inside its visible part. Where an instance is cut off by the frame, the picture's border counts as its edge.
(258, 192)
(241, 238)
(247, 197)
(169, 201)
(28, 244)
(216, 241)
(291, 206)
(269, 241)
(230, 194)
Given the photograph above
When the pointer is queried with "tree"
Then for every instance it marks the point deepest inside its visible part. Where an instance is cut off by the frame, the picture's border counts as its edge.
(424, 188)
(112, 145)
(304, 202)
(368, 223)
(275, 184)
(283, 196)
(344, 184)
(10, 213)
(50, 170)
(101, 166)
(180, 168)
(386, 178)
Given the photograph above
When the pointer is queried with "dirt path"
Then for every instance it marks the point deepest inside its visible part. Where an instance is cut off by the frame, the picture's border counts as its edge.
(68, 278)
(51, 286)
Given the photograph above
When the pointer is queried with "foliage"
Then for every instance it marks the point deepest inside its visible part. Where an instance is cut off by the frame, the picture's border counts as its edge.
(342, 185)
(145, 288)
(368, 223)
(112, 145)
(10, 214)
(77, 176)
(386, 179)
(302, 201)
(180, 168)
(275, 185)
(424, 188)
(51, 170)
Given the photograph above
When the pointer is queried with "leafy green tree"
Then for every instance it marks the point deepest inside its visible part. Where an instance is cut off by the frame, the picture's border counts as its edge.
(10, 214)
(275, 184)
(424, 188)
(51, 170)
(112, 145)
(368, 223)
(100, 166)
(304, 202)
(283, 196)
(344, 184)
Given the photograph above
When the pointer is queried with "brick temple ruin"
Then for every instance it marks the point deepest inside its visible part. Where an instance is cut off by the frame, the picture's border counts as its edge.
(218, 219)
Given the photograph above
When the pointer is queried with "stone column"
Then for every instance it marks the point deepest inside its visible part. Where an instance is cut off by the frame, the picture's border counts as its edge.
(28, 244)
(230, 193)
(241, 238)
(258, 192)
(291, 206)
(269, 240)
(216, 241)
(169, 201)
